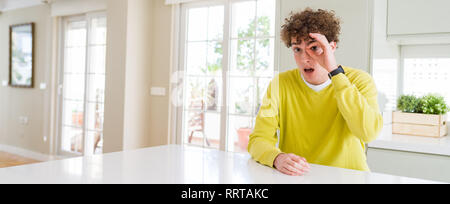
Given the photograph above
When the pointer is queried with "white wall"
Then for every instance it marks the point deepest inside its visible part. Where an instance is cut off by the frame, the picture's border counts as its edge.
(353, 49)
(113, 128)
(31, 103)
(138, 74)
(382, 49)
(138, 58)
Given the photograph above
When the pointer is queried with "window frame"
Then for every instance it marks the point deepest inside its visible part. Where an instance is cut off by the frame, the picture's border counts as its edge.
(179, 35)
(87, 17)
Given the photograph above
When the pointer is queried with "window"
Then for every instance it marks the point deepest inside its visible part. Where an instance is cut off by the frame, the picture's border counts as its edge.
(424, 69)
(227, 63)
(427, 75)
(82, 84)
(385, 75)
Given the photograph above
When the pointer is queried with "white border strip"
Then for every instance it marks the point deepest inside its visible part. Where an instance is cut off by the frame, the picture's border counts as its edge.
(27, 153)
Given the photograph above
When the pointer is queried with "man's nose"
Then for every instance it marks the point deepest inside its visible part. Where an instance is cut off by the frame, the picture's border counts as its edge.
(306, 57)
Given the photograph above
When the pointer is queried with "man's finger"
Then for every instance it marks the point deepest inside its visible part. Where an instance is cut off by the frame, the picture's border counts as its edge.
(295, 157)
(306, 162)
(295, 164)
(286, 171)
(321, 39)
(293, 169)
(299, 161)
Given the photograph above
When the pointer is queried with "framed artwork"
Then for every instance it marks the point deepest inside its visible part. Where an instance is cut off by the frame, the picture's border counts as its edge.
(21, 55)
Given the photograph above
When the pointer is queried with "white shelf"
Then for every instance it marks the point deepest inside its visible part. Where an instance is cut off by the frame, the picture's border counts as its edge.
(427, 145)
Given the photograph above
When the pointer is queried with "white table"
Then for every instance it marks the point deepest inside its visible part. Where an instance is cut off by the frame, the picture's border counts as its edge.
(176, 164)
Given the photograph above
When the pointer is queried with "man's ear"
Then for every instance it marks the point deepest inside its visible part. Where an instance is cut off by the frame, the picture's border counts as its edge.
(333, 46)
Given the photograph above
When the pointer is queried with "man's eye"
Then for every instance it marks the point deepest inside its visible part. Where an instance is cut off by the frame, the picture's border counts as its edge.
(314, 48)
(296, 49)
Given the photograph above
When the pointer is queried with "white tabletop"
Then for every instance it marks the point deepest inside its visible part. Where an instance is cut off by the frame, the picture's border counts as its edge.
(419, 144)
(176, 164)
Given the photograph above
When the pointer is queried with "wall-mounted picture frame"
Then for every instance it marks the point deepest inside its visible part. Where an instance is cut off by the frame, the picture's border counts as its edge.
(21, 55)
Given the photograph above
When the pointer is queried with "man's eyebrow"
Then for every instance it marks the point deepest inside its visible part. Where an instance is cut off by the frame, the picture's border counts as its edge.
(310, 42)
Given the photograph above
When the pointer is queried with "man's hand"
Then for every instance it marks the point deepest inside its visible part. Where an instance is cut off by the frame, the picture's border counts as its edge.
(291, 164)
(322, 52)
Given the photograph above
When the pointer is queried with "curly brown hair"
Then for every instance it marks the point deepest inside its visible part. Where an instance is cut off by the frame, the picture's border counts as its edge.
(300, 24)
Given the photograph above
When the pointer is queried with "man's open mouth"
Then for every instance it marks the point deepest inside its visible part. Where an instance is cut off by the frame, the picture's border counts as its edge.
(309, 70)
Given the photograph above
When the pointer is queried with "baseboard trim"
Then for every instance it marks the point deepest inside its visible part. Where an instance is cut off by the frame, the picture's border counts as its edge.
(26, 153)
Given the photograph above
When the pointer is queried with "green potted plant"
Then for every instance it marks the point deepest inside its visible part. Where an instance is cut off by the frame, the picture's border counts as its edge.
(424, 116)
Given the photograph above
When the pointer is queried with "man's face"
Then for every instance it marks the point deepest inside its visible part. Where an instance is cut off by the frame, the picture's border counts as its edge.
(311, 70)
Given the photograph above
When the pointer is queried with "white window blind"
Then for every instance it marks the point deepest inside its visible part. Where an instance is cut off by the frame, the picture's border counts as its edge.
(427, 70)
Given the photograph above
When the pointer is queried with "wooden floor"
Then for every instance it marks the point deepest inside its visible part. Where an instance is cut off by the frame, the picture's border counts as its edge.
(9, 160)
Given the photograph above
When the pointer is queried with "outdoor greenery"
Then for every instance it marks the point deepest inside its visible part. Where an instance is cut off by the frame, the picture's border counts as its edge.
(248, 63)
(250, 60)
(429, 104)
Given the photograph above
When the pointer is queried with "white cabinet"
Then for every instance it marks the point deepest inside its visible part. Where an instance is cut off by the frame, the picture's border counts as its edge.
(413, 17)
(409, 164)
(418, 22)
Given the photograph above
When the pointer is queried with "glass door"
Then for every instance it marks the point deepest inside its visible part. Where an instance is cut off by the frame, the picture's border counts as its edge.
(82, 84)
(227, 61)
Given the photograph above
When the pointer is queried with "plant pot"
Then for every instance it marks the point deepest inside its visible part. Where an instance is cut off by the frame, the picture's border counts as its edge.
(418, 124)
(243, 135)
(77, 118)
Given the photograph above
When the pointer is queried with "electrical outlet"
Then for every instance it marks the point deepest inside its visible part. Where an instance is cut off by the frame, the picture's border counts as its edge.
(4, 83)
(23, 120)
(158, 91)
(43, 86)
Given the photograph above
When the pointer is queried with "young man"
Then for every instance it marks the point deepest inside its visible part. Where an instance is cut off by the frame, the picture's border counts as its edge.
(324, 112)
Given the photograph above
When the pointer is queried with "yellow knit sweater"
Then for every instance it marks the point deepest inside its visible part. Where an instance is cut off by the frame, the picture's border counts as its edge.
(328, 127)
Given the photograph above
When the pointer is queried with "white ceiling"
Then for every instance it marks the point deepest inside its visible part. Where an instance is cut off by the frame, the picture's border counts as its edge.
(6, 5)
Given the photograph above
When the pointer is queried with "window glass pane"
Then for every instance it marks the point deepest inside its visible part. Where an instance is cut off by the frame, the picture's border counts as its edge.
(243, 19)
(264, 63)
(98, 31)
(97, 61)
(94, 141)
(427, 75)
(239, 129)
(73, 113)
(242, 57)
(261, 90)
(95, 116)
(241, 95)
(75, 60)
(215, 53)
(74, 86)
(196, 58)
(194, 94)
(76, 34)
(197, 24)
(96, 88)
(385, 77)
(72, 139)
(215, 23)
(202, 129)
(213, 93)
(266, 18)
